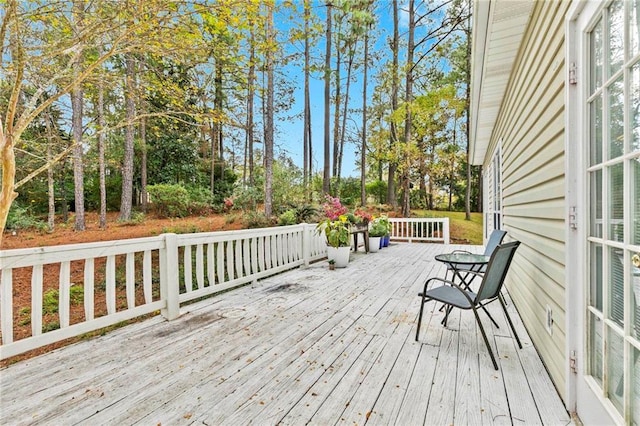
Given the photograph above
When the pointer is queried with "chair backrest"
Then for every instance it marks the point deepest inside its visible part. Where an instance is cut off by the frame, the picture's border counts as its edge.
(495, 239)
(496, 271)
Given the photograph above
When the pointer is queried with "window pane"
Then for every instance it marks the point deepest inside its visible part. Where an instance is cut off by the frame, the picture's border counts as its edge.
(634, 194)
(595, 348)
(616, 202)
(596, 58)
(615, 367)
(616, 281)
(595, 112)
(635, 107)
(596, 203)
(595, 292)
(616, 119)
(616, 37)
(634, 28)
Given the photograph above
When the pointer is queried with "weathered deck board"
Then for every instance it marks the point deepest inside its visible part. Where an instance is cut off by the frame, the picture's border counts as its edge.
(307, 346)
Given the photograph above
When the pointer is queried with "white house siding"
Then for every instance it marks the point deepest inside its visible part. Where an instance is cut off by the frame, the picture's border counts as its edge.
(530, 127)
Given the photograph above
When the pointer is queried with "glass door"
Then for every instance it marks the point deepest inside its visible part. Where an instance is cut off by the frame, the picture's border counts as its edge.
(613, 176)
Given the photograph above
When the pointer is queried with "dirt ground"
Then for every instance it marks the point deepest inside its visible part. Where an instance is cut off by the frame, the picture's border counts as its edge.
(151, 226)
(64, 234)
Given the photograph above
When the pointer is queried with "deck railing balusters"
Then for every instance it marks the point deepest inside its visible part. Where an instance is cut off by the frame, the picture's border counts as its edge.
(228, 258)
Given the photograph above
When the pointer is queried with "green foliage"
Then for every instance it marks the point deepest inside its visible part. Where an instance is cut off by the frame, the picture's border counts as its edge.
(20, 218)
(288, 218)
(336, 231)
(348, 190)
(113, 189)
(169, 200)
(307, 214)
(378, 229)
(377, 189)
(51, 298)
(254, 220)
(247, 198)
(181, 229)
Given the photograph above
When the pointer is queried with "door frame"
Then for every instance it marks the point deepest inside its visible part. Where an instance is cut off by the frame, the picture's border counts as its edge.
(580, 388)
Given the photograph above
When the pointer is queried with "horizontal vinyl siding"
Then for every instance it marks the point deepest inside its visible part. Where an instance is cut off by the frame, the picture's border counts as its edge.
(531, 128)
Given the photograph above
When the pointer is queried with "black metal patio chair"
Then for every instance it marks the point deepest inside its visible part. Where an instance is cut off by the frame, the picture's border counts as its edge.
(452, 295)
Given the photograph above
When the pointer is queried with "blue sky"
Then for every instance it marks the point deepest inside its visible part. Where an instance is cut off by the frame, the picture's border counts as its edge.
(290, 137)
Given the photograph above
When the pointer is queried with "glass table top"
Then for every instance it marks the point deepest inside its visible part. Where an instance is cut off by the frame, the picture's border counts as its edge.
(463, 258)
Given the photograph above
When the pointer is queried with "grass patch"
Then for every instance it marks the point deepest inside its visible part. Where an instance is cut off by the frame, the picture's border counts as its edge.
(462, 231)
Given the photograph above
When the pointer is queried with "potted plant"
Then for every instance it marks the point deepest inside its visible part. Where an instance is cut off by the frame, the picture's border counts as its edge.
(384, 221)
(337, 234)
(336, 230)
(332, 264)
(376, 233)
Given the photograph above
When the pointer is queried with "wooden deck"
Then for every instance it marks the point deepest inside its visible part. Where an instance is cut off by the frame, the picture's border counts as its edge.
(306, 346)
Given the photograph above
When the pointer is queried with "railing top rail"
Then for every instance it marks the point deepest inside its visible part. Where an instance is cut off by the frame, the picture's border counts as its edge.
(215, 236)
(17, 258)
(418, 219)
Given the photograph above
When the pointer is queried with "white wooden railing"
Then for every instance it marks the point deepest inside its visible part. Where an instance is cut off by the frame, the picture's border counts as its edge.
(141, 276)
(420, 229)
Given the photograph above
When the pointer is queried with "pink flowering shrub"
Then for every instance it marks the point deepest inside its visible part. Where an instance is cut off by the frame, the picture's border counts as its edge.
(228, 203)
(333, 209)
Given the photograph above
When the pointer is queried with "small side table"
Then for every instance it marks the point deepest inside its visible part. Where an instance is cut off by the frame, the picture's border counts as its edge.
(364, 230)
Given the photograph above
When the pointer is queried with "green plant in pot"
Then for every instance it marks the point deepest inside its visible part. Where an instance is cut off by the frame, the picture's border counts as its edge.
(377, 231)
(338, 239)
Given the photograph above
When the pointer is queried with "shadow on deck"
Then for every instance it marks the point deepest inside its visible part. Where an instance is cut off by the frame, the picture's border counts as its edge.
(306, 346)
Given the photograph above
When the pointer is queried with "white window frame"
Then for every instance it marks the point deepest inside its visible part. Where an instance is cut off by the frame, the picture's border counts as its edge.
(493, 193)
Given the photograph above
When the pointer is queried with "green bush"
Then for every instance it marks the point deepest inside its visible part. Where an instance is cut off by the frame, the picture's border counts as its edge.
(169, 200)
(256, 220)
(288, 218)
(19, 218)
(307, 214)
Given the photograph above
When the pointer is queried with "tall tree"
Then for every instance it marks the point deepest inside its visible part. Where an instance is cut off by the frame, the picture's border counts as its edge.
(406, 208)
(269, 114)
(363, 145)
(307, 139)
(326, 176)
(393, 135)
(76, 119)
(126, 201)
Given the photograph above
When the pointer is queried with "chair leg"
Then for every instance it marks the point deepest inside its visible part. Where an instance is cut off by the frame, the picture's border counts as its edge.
(486, 340)
(422, 302)
(489, 315)
(513, 329)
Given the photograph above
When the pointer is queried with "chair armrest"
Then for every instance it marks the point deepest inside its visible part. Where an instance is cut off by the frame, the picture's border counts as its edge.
(451, 283)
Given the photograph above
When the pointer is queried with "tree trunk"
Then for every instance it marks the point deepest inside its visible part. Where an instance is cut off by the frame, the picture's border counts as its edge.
(51, 216)
(127, 162)
(393, 139)
(363, 152)
(143, 164)
(308, 145)
(268, 137)
(345, 109)
(76, 123)
(250, 100)
(326, 177)
(336, 115)
(406, 208)
(101, 162)
(467, 202)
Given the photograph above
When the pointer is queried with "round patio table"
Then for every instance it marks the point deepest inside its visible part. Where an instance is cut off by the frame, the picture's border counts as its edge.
(463, 262)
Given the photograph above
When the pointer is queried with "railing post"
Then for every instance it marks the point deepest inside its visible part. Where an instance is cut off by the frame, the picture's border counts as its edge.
(445, 230)
(169, 277)
(306, 243)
